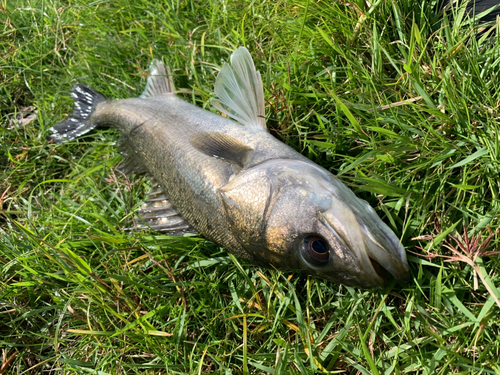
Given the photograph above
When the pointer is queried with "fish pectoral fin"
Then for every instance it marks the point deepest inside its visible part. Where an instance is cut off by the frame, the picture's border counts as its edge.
(222, 146)
(159, 81)
(157, 213)
(239, 91)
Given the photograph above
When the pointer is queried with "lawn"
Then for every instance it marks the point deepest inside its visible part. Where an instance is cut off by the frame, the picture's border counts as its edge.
(397, 98)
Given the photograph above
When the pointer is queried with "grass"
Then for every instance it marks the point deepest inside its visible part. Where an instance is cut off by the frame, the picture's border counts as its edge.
(399, 101)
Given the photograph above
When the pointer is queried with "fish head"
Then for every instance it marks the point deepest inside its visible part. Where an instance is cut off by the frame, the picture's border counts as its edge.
(294, 215)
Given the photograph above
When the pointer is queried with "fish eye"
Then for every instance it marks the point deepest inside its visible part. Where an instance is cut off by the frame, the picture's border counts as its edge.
(315, 249)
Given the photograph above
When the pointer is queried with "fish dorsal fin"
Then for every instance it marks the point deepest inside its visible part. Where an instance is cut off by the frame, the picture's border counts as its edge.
(222, 146)
(239, 92)
(159, 80)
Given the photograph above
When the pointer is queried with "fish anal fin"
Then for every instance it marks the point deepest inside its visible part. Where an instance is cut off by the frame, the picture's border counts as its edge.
(222, 146)
(157, 213)
(130, 163)
(160, 81)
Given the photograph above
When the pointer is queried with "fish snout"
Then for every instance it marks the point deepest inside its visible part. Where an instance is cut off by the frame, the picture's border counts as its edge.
(375, 246)
(386, 251)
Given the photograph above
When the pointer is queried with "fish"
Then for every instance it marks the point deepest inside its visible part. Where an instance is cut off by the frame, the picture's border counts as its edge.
(228, 179)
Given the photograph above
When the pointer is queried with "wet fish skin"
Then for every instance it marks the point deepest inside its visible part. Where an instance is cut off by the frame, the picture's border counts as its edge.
(239, 186)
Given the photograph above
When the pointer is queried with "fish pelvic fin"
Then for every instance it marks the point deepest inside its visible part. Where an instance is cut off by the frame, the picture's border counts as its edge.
(159, 80)
(79, 123)
(239, 91)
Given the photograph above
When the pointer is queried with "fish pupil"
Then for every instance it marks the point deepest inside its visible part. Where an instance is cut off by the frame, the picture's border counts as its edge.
(319, 246)
(315, 250)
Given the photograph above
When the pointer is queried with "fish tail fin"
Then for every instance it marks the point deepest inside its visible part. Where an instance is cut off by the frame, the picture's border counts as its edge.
(79, 123)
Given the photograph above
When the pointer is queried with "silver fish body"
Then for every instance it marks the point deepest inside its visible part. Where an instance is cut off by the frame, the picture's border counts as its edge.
(239, 186)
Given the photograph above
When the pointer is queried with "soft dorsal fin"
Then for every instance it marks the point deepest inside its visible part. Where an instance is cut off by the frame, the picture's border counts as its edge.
(159, 80)
(239, 92)
(222, 146)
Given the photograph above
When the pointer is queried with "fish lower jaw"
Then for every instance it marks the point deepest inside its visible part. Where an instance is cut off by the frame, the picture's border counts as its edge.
(374, 273)
(378, 265)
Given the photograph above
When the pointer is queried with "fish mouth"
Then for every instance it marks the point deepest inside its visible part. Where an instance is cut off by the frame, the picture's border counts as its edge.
(380, 274)
(379, 270)
(386, 255)
(379, 264)
(378, 255)
(374, 273)
(379, 261)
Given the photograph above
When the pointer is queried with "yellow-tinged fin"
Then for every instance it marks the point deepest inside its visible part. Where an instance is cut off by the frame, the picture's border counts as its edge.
(160, 81)
(239, 92)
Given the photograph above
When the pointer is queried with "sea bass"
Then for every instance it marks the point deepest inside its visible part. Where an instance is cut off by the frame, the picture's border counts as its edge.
(237, 185)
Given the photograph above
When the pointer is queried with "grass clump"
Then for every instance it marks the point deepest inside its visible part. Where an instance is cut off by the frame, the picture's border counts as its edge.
(399, 99)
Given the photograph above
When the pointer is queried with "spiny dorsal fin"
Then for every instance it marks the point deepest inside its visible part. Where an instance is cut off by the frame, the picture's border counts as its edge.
(159, 81)
(239, 91)
(222, 146)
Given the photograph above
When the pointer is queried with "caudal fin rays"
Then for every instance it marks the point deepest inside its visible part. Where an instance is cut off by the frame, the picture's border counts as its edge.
(79, 123)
